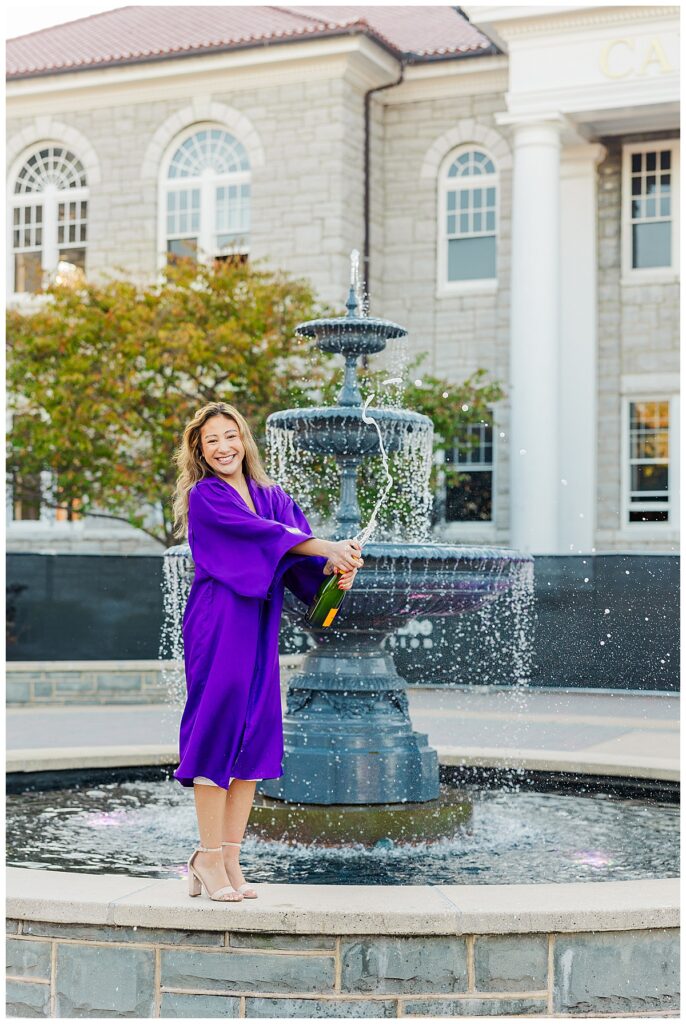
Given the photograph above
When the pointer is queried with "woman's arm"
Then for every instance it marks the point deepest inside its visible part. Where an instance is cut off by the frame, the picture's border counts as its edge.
(343, 554)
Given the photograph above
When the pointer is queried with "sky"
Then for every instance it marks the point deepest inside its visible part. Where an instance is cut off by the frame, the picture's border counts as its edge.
(23, 18)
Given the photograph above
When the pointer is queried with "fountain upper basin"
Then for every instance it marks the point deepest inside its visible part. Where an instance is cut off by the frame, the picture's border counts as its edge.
(350, 335)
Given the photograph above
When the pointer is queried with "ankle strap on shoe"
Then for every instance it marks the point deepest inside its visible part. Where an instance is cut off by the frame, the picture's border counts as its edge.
(231, 844)
(209, 849)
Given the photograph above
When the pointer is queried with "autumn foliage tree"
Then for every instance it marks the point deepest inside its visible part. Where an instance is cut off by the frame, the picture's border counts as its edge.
(102, 377)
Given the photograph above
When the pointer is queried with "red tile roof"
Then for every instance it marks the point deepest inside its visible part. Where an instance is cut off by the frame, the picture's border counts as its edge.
(135, 34)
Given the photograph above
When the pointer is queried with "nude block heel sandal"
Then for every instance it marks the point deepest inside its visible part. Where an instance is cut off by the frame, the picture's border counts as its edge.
(243, 889)
(196, 883)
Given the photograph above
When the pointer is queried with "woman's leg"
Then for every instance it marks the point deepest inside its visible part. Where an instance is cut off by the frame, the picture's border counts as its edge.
(237, 809)
(210, 801)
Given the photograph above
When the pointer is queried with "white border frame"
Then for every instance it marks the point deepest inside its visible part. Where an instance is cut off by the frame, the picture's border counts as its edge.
(649, 275)
(49, 200)
(651, 531)
(481, 530)
(444, 287)
(206, 187)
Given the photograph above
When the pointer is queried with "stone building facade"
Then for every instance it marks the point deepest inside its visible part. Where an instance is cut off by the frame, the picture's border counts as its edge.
(554, 103)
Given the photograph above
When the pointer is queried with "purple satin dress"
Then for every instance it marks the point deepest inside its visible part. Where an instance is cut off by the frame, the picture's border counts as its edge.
(232, 726)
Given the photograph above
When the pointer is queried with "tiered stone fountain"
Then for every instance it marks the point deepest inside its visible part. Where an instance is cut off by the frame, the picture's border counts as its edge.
(354, 768)
(348, 734)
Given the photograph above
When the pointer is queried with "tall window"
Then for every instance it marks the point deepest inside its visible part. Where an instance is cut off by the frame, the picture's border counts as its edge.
(468, 212)
(471, 500)
(651, 488)
(650, 208)
(207, 202)
(49, 214)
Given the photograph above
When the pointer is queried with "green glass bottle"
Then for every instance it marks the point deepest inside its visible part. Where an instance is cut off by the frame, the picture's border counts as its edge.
(326, 602)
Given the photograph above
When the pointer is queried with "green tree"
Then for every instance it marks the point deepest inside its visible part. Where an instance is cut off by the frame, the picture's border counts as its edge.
(103, 377)
(453, 408)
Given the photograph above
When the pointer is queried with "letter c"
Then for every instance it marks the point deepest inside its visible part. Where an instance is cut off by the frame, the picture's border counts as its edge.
(605, 58)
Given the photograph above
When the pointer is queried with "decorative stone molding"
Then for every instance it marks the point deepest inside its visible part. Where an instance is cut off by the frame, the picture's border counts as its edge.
(201, 109)
(468, 130)
(538, 22)
(41, 129)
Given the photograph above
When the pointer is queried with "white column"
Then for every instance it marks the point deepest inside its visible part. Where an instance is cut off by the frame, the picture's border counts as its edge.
(578, 347)
(534, 333)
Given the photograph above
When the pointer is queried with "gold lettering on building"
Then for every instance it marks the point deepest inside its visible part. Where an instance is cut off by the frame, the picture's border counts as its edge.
(623, 58)
(656, 55)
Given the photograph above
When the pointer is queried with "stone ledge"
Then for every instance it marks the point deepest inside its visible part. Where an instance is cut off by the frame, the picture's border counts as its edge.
(80, 898)
(28, 759)
(579, 762)
(102, 684)
(121, 665)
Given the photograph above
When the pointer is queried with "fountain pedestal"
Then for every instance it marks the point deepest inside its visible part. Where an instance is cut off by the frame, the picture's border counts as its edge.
(348, 735)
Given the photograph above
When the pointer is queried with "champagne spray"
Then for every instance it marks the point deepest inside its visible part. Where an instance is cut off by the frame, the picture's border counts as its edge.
(364, 535)
(329, 597)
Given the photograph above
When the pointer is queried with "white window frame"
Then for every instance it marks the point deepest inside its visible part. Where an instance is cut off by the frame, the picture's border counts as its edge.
(638, 275)
(481, 529)
(445, 287)
(50, 199)
(207, 183)
(651, 531)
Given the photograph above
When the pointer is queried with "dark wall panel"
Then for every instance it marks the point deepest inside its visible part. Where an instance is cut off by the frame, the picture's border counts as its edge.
(85, 607)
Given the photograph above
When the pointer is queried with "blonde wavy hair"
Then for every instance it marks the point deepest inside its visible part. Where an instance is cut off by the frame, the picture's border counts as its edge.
(192, 466)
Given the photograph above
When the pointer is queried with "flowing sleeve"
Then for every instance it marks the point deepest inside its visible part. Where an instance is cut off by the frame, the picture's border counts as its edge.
(302, 574)
(247, 553)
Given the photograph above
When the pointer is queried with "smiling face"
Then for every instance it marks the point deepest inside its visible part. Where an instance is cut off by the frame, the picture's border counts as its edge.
(222, 447)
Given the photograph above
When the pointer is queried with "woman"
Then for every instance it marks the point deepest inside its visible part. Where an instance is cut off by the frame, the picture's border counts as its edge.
(248, 539)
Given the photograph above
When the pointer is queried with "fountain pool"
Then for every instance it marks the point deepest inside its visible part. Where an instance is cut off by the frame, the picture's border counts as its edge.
(470, 835)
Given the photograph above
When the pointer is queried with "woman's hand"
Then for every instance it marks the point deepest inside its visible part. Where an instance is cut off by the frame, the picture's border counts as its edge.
(345, 580)
(344, 556)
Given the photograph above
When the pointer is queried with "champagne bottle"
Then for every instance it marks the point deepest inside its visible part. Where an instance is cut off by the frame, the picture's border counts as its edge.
(326, 602)
(329, 597)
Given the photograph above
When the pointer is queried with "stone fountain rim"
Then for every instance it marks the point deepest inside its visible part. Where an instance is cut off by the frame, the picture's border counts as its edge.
(37, 894)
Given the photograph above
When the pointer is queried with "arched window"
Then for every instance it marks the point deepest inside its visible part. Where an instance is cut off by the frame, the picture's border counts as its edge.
(469, 217)
(207, 202)
(49, 214)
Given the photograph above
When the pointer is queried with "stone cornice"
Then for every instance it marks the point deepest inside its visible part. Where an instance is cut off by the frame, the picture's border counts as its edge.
(271, 61)
(510, 26)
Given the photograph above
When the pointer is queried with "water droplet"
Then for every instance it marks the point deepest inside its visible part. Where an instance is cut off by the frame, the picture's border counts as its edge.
(607, 611)
(522, 451)
(563, 482)
(585, 579)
